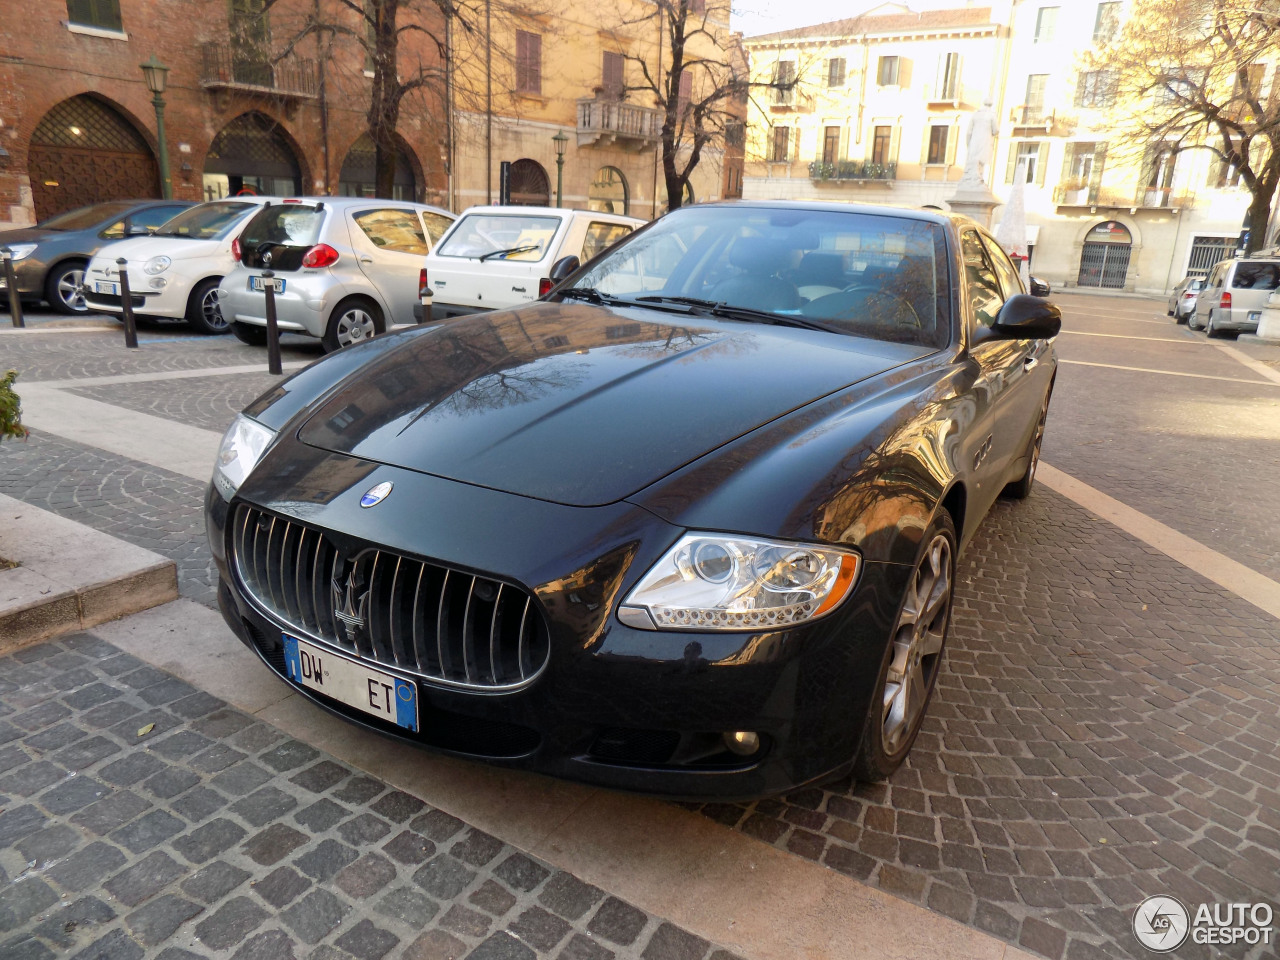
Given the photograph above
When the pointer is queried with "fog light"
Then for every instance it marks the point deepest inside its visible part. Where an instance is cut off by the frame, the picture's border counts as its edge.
(159, 283)
(742, 742)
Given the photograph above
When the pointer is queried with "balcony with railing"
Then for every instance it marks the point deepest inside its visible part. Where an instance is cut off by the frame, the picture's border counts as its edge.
(852, 170)
(229, 66)
(1031, 118)
(603, 122)
(1143, 198)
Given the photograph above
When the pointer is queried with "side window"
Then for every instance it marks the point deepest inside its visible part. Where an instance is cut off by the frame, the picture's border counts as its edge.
(113, 232)
(601, 236)
(1010, 281)
(436, 224)
(980, 280)
(392, 229)
(152, 217)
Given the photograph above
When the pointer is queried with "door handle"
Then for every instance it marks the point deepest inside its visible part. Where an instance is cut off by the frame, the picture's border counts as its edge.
(366, 259)
(1030, 363)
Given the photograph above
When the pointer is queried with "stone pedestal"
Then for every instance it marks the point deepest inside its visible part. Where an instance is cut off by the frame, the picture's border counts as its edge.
(975, 200)
(1269, 325)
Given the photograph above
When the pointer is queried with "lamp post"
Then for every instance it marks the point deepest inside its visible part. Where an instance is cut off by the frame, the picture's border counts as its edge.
(561, 141)
(156, 74)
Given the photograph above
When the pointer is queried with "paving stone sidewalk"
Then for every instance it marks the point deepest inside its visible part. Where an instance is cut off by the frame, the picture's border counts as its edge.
(141, 817)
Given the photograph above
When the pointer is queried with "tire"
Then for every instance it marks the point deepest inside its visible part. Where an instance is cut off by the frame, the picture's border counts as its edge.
(64, 288)
(203, 315)
(1020, 489)
(1191, 320)
(913, 653)
(254, 336)
(352, 320)
(1209, 330)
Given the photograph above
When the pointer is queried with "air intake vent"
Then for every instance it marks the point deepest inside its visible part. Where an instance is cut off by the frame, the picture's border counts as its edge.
(422, 618)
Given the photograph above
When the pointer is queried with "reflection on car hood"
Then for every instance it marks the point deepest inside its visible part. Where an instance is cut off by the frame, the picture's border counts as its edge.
(30, 235)
(138, 250)
(580, 404)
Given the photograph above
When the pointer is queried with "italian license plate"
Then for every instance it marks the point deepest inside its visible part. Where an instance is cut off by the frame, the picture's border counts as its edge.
(107, 287)
(260, 284)
(1255, 314)
(371, 691)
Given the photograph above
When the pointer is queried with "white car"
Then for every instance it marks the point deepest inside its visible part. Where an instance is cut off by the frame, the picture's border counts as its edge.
(176, 270)
(344, 268)
(495, 258)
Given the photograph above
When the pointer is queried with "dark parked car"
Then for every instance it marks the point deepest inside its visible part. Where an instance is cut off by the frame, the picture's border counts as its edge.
(681, 528)
(50, 258)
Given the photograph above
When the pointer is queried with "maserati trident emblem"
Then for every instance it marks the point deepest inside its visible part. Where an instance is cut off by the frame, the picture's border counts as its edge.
(350, 601)
(375, 495)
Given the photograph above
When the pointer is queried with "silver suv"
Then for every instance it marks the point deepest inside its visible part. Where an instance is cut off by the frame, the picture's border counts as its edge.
(1234, 295)
(345, 268)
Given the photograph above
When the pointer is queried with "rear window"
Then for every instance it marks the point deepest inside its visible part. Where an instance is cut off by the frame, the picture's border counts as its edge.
(1256, 276)
(208, 221)
(284, 224)
(501, 237)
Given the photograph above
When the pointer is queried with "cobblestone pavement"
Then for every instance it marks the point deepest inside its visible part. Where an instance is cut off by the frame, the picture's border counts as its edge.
(1106, 723)
(144, 818)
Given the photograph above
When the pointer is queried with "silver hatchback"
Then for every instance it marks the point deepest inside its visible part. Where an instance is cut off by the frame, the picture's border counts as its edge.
(345, 268)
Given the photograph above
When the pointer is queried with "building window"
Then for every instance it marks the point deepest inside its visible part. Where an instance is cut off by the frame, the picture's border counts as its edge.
(1224, 173)
(1036, 84)
(1104, 27)
(835, 72)
(881, 140)
(1159, 164)
(686, 92)
(887, 74)
(1046, 24)
(104, 14)
(937, 145)
(948, 83)
(613, 75)
(784, 81)
(735, 134)
(781, 144)
(1032, 156)
(830, 144)
(697, 6)
(1096, 88)
(528, 62)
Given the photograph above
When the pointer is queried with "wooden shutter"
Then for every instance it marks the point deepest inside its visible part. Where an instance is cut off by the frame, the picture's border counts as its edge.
(895, 141)
(1041, 163)
(1012, 167)
(528, 62)
(612, 74)
(953, 137)
(686, 91)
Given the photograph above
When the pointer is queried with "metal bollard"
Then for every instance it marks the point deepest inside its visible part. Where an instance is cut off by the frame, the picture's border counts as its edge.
(426, 306)
(126, 305)
(11, 283)
(273, 331)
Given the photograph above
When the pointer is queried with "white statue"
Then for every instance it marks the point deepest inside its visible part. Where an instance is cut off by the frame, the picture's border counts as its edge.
(978, 142)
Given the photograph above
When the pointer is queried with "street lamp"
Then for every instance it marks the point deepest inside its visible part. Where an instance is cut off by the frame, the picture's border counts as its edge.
(156, 74)
(561, 141)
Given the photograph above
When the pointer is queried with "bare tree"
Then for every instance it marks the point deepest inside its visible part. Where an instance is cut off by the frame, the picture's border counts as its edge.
(1190, 75)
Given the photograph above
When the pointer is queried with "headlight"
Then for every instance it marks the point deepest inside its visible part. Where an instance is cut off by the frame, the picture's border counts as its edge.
(713, 581)
(157, 265)
(21, 250)
(242, 447)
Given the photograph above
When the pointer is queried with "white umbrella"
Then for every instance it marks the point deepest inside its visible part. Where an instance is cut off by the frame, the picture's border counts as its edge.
(1012, 232)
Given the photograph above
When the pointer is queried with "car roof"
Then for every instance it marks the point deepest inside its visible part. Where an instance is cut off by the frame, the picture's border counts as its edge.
(940, 217)
(567, 212)
(343, 203)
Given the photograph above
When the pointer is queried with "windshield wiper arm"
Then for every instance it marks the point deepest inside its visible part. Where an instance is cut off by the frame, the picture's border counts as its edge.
(506, 253)
(590, 294)
(718, 308)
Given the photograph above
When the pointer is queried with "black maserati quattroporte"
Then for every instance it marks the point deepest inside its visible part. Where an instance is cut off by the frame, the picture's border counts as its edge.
(687, 526)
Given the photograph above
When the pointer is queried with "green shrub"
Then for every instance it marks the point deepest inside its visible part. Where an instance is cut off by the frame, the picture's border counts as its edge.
(10, 409)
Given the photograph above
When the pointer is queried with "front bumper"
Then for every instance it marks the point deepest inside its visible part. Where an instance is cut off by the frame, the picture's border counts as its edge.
(630, 709)
(169, 301)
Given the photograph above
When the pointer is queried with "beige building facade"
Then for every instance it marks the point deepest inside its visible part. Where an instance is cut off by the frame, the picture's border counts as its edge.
(1098, 216)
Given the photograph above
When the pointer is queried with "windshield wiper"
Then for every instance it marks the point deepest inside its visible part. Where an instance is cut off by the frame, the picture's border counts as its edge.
(590, 294)
(718, 308)
(527, 248)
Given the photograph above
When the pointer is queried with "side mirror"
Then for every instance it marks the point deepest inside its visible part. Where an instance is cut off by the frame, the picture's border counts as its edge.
(1039, 288)
(563, 267)
(1024, 317)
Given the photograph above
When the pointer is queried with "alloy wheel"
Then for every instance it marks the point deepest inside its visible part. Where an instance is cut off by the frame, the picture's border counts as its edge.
(71, 290)
(212, 311)
(353, 326)
(917, 644)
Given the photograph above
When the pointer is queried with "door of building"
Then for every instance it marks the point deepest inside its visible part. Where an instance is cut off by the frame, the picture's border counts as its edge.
(1104, 261)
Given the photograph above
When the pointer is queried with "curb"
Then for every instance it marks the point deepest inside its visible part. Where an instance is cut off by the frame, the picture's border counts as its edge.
(70, 577)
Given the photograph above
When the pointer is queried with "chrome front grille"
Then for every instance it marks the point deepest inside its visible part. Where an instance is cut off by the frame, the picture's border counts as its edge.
(438, 623)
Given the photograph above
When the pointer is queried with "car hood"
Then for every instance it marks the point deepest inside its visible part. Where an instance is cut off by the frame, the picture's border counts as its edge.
(32, 235)
(579, 404)
(138, 250)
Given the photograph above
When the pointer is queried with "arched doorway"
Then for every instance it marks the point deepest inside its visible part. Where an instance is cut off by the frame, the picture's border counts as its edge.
(530, 185)
(608, 192)
(359, 172)
(251, 155)
(83, 151)
(1104, 261)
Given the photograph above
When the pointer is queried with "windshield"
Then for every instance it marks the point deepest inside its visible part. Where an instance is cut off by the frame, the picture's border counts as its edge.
(500, 237)
(208, 221)
(84, 217)
(865, 274)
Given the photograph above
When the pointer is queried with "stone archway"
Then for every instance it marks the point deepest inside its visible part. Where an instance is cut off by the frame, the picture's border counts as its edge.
(530, 185)
(1105, 254)
(609, 192)
(84, 151)
(359, 173)
(252, 155)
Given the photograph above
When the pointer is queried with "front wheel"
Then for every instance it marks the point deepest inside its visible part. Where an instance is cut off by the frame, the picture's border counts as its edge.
(352, 321)
(203, 312)
(913, 658)
(1020, 489)
(249, 333)
(65, 288)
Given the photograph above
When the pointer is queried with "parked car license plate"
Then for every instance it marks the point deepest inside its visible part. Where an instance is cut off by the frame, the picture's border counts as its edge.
(106, 286)
(371, 691)
(1255, 314)
(260, 284)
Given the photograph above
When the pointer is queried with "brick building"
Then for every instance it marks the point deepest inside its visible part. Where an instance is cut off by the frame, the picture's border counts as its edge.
(244, 111)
